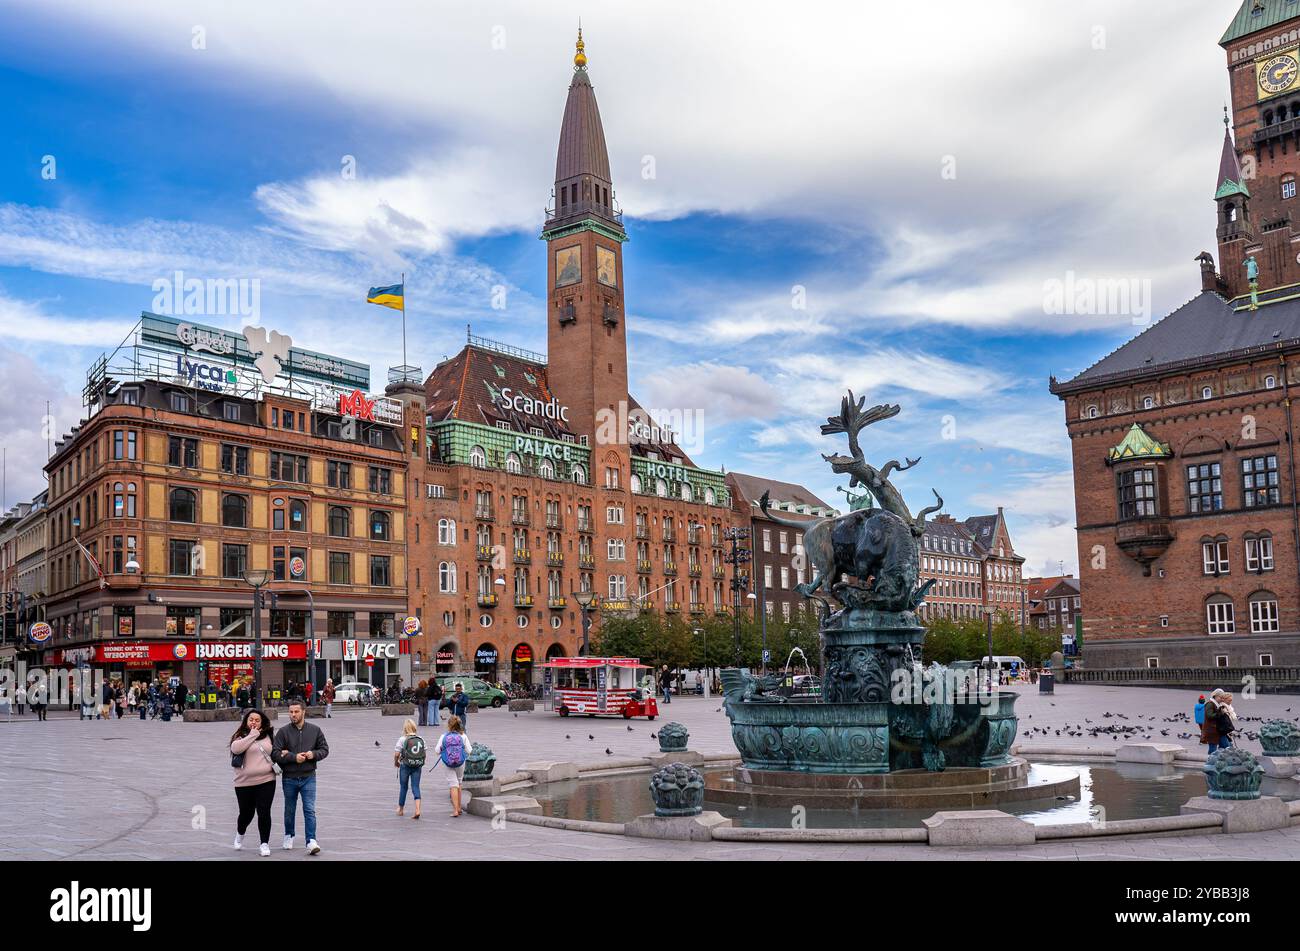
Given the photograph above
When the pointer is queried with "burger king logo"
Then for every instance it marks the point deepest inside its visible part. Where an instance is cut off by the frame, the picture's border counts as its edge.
(180, 651)
(40, 632)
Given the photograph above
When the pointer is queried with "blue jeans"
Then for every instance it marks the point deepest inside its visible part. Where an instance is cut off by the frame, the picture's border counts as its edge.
(432, 716)
(1223, 744)
(295, 786)
(411, 775)
(668, 696)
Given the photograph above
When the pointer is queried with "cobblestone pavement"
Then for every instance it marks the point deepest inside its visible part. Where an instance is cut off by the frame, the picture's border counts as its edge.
(126, 789)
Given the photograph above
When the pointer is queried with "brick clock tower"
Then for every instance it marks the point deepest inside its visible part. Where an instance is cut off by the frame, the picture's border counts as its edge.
(586, 332)
(1255, 193)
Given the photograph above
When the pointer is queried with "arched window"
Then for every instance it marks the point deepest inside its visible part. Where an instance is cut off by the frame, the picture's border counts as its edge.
(546, 469)
(661, 488)
(183, 506)
(1288, 187)
(513, 464)
(447, 577)
(297, 516)
(1219, 617)
(580, 475)
(380, 525)
(1263, 613)
(477, 457)
(234, 511)
(636, 483)
(119, 500)
(340, 521)
(446, 531)
(1092, 412)
(687, 494)
(709, 497)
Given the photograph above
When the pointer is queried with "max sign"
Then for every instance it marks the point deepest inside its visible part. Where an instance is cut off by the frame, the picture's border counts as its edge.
(356, 405)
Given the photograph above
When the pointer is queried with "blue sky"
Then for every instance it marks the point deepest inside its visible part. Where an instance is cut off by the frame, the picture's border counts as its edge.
(921, 194)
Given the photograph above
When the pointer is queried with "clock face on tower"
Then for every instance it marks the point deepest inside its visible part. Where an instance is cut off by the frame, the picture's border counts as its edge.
(1277, 73)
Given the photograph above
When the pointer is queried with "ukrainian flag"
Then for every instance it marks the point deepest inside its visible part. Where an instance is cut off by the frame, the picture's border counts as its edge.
(393, 296)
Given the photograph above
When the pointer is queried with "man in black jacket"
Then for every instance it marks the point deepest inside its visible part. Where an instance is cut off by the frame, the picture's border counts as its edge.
(296, 749)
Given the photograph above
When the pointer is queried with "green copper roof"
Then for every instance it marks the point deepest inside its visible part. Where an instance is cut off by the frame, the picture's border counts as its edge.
(1138, 445)
(1256, 15)
(1230, 187)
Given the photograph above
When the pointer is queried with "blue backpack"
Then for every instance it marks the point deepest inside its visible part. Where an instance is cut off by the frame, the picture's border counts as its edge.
(453, 750)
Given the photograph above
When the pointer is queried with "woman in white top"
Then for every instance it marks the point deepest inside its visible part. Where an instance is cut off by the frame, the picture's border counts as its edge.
(445, 752)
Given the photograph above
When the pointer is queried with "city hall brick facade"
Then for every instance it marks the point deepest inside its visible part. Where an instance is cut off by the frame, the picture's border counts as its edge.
(1182, 439)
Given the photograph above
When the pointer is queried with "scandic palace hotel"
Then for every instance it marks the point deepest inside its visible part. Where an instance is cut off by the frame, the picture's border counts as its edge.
(477, 499)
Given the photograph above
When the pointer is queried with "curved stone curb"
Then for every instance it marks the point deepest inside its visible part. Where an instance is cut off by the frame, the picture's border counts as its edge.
(742, 834)
(1154, 826)
(571, 825)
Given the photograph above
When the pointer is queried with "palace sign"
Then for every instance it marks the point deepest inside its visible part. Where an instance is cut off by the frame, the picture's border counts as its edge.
(546, 450)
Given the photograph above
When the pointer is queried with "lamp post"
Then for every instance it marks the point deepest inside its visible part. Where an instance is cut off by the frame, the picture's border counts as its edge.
(256, 578)
(989, 611)
(736, 557)
(584, 599)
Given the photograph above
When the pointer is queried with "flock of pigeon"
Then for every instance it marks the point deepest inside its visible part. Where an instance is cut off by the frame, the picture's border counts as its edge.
(1137, 727)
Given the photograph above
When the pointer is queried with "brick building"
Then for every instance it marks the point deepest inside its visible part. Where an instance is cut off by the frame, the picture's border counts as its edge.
(974, 566)
(1055, 603)
(204, 454)
(778, 561)
(1182, 438)
(543, 476)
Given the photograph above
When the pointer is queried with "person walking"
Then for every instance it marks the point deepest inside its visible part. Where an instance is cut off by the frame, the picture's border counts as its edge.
(182, 697)
(297, 748)
(250, 756)
(666, 684)
(459, 705)
(20, 697)
(133, 697)
(327, 694)
(105, 701)
(422, 702)
(434, 703)
(1217, 728)
(37, 695)
(408, 757)
(453, 749)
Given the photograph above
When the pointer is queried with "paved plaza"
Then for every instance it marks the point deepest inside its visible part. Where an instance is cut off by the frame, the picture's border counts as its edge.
(126, 789)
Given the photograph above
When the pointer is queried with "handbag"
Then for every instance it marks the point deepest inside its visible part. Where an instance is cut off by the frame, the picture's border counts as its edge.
(237, 760)
(274, 768)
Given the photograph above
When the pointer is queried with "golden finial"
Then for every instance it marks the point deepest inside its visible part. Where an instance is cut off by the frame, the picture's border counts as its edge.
(580, 58)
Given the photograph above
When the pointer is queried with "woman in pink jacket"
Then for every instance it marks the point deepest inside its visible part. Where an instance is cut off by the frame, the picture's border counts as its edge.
(250, 756)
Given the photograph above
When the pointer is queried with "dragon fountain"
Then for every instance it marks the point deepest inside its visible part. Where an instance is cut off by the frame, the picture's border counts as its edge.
(883, 721)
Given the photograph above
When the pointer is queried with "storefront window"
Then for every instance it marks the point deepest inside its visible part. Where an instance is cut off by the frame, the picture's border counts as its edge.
(485, 662)
(236, 622)
(341, 623)
(382, 625)
(288, 623)
(182, 622)
(125, 621)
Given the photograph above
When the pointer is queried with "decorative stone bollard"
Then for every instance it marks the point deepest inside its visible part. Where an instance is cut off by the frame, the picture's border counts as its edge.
(479, 764)
(673, 738)
(1280, 738)
(1233, 774)
(677, 790)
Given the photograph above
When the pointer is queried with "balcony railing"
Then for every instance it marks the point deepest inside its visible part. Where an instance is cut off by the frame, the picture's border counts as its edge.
(554, 520)
(695, 570)
(523, 556)
(719, 572)
(670, 535)
(643, 533)
(645, 567)
(673, 607)
(523, 600)
(697, 607)
(555, 558)
(487, 600)
(483, 552)
(555, 602)
(584, 525)
(518, 518)
(483, 512)
(670, 567)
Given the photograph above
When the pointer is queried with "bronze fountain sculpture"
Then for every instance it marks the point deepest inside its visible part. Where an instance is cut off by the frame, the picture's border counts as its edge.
(880, 711)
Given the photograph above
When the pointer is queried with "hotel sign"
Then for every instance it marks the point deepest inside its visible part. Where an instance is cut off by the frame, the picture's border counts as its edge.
(668, 471)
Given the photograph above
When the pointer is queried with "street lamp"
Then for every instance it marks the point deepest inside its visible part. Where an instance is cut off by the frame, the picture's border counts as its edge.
(256, 578)
(584, 599)
(989, 611)
(736, 557)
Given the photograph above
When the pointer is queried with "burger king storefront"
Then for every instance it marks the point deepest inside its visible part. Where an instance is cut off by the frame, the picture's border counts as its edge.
(223, 661)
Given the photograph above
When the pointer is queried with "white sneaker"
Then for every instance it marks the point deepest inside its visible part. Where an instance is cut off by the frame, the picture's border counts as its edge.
(288, 842)
(312, 847)
(264, 849)
(239, 841)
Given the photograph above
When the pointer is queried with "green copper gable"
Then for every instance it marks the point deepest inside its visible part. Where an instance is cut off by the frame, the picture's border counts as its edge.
(586, 224)
(1138, 445)
(1230, 188)
(1255, 15)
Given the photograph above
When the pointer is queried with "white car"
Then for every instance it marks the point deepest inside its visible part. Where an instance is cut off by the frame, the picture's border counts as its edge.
(352, 691)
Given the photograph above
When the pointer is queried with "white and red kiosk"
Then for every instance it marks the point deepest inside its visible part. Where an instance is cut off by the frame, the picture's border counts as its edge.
(600, 686)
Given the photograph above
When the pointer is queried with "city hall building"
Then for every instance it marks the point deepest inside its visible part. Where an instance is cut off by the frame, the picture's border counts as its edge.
(206, 453)
(1183, 438)
(544, 477)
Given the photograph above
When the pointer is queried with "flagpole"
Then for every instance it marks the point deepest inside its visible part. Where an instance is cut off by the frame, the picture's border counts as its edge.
(403, 326)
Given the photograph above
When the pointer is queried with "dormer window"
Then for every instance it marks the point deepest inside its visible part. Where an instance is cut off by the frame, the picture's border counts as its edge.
(1206, 392)
(1092, 412)
(1270, 382)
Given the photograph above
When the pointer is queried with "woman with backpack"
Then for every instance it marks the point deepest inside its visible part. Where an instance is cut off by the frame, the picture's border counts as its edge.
(453, 749)
(408, 757)
(250, 757)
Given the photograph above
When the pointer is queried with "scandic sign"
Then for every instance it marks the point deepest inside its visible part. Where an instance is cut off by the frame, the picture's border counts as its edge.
(203, 650)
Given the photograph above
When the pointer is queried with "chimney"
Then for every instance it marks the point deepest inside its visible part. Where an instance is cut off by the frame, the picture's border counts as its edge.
(1209, 280)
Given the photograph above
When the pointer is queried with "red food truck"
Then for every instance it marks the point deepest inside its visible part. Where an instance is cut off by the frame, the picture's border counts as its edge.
(601, 686)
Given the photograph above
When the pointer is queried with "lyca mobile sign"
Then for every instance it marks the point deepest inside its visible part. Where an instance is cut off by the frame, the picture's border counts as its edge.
(523, 403)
